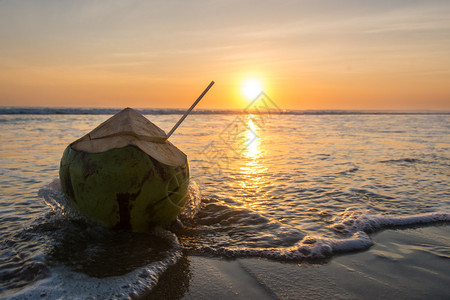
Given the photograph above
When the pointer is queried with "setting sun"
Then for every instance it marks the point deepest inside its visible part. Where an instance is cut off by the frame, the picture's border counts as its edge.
(251, 88)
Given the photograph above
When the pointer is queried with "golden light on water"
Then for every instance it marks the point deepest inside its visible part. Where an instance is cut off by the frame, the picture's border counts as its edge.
(253, 140)
(253, 168)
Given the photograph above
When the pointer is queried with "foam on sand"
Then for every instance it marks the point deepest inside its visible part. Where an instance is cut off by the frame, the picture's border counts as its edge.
(354, 225)
(354, 219)
(64, 283)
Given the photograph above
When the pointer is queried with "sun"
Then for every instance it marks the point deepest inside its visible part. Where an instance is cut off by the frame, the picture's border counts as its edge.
(251, 88)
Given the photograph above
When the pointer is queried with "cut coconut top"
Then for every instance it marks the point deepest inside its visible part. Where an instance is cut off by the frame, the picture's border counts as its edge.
(128, 127)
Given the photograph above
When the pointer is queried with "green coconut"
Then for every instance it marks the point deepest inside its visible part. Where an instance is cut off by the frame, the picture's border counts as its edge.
(125, 174)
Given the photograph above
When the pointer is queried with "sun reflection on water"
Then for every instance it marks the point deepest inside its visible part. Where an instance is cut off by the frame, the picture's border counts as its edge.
(253, 140)
(252, 168)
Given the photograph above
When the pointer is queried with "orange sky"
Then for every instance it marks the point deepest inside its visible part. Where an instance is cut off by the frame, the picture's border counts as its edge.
(330, 55)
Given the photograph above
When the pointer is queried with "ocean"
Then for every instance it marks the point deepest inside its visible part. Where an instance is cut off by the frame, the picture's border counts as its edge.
(284, 189)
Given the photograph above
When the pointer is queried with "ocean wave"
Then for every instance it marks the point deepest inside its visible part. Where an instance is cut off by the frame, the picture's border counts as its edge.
(228, 230)
(169, 111)
(349, 171)
(353, 225)
(82, 111)
(309, 248)
(208, 226)
(401, 160)
(354, 219)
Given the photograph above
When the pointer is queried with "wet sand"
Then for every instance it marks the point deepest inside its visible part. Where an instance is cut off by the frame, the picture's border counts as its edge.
(409, 263)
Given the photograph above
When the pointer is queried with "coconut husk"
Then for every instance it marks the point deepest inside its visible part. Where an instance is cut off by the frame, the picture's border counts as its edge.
(128, 127)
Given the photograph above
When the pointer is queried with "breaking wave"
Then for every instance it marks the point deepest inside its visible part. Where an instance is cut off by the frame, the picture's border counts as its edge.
(252, 235)
(94, 262)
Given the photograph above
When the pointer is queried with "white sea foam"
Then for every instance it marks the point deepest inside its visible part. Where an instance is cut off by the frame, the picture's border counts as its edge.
(309, 248)
(52, 195)
(353, 219)
(193, 202)
(353, 224)
(64, 283)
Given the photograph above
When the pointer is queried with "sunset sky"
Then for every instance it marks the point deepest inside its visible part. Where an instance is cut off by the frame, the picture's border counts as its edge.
(330, 54)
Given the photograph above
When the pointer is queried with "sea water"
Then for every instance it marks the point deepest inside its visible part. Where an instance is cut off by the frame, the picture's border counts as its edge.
(287, 187)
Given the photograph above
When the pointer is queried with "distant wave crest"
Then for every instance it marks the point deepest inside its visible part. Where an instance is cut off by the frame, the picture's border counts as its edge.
(170, 111)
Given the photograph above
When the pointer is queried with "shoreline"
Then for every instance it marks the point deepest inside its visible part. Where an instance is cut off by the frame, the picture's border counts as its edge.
(403, 263)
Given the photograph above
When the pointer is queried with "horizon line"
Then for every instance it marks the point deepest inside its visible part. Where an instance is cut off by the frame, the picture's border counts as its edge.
(50, 110)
